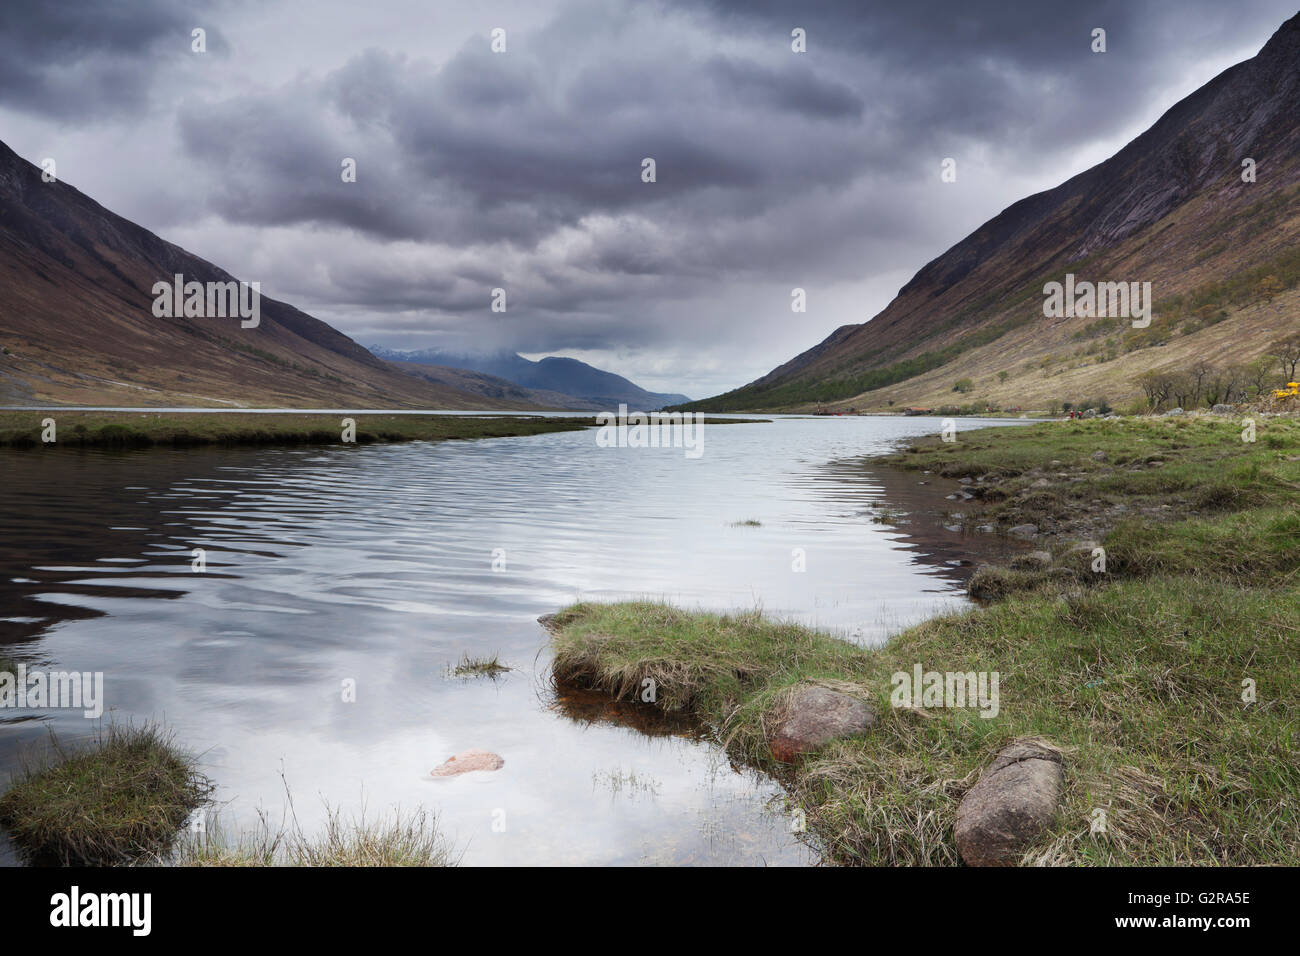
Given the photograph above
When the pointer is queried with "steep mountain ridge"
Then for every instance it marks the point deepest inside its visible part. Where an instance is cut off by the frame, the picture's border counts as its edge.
(1171, 207)
(77, 323)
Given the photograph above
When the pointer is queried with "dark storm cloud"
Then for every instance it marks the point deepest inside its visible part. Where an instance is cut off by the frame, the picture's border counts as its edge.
(81, 59)
(492, 147)
(523, 169)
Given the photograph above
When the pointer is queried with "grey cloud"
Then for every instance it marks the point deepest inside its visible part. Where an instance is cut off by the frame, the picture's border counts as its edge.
(87, 59)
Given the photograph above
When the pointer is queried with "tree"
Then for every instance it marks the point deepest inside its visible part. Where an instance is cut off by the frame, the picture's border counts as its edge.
(1286, 352)
(1156, 385)
(1258, 374)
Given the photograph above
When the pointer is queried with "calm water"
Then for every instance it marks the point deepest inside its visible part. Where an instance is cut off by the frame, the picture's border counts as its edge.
(375, 564)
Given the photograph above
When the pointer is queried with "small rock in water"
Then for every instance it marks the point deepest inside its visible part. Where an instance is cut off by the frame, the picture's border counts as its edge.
(467, 761)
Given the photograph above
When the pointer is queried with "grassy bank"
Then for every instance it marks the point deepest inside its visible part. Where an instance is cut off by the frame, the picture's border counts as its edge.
(125, 797)
(76, 429)
(142, 429)
(411, 839)
(1137, 672)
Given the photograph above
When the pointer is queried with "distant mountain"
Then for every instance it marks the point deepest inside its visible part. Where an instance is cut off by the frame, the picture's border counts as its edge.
(492, 388)
(77, 323)
(1174, 208)
(590, 387)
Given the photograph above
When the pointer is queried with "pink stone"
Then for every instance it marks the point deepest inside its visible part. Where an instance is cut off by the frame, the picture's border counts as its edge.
(467, 761)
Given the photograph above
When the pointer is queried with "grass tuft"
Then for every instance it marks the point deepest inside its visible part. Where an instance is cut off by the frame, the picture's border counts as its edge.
(125, 797)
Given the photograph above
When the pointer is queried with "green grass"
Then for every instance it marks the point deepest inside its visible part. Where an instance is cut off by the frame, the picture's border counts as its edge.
(142, 429)
(486, 666)
(404, 840)
(75, 429)
(125, 797)
(1137, 673)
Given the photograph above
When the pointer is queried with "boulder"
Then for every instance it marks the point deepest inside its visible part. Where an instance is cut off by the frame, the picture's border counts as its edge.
(467, 761)
(1013, 803)
(1098, 455)
(1024, 530)
(816, 716)
(1222, 409)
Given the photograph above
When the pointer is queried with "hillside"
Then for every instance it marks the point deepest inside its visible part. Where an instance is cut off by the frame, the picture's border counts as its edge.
(1170, 208)
(490, 387)
(586, 386)
(77, 323)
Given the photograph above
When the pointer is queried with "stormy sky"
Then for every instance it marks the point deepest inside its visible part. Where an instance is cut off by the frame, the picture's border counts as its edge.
(523, 169)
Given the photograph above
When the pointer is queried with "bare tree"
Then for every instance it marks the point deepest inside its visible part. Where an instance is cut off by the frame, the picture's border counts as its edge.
(1258, 374)
(1287, 353)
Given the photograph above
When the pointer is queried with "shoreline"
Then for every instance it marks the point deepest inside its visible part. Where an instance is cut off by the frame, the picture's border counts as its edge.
(1151, 691)
(181, 429)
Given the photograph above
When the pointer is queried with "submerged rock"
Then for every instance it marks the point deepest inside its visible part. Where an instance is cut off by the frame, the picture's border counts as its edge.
(467, 761)
(816, 716)
(1014, 802)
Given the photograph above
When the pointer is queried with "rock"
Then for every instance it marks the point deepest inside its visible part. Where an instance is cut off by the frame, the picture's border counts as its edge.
(1034, 559)
(987, 528)
(1222, 409)
(1013, 803)
(546, 620)
(1174, 411)
(1024, 530)
(467, 761)
(816, 716)
(1041, 483)
(952, 527)
(1098, 455)
(965, 481)
(1090, 413)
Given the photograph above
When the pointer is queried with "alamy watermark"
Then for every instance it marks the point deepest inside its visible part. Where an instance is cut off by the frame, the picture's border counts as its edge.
(53, 690)
(924, 689)
(1099, 300)
(652, 430)
(208, 300)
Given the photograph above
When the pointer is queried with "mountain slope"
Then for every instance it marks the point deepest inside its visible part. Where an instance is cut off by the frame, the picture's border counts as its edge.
(589, 387)
(490, 387)
(77, 323)
(1170, 208)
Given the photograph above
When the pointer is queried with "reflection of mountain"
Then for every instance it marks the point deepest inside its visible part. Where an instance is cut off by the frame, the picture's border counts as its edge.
(919, 514)
(589, 387)
(74, 558)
